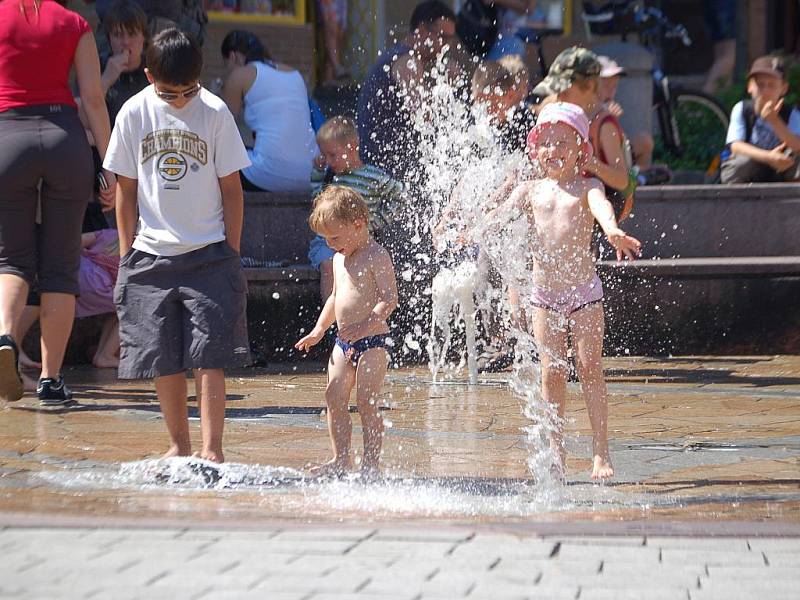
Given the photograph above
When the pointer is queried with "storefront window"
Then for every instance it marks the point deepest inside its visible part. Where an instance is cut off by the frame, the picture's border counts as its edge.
(259, 11)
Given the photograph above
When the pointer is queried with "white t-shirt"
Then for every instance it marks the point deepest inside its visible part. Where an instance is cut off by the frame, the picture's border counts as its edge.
(177, 156)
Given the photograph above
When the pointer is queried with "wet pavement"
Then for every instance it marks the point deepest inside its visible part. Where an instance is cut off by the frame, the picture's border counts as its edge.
(705, 503)
(691, 439)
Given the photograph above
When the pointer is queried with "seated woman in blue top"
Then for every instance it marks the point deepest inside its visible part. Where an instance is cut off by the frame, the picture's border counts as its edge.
(274, 101)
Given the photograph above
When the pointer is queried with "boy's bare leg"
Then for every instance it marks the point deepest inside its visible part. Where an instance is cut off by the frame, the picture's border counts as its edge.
(341, 379)
(29, 316)
(549, 330)
(107, 354)
(171, 391)
(588, 333)
(369, 378)
(210, 390)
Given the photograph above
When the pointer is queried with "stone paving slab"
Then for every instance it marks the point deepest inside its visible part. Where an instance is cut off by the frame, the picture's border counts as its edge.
(633, 567)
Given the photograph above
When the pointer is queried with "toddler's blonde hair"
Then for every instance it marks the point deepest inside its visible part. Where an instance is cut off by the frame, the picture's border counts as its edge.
(338, 129)
(337, 204)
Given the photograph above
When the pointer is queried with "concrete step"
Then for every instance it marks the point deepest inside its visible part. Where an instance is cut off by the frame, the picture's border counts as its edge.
(703, 221)
(708, 268)
(681, 221)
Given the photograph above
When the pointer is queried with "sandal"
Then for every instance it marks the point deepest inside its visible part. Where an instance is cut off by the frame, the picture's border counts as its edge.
(11, 387)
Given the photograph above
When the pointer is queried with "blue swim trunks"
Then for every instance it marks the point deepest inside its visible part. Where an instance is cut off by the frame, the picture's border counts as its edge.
(356, 350)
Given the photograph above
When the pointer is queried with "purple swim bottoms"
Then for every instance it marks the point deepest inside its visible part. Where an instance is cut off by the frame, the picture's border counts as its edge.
(568, 301)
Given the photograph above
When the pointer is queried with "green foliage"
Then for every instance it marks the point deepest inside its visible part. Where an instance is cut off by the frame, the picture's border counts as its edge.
(702, 137)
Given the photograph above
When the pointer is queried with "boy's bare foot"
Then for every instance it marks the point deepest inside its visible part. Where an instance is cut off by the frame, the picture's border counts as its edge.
(28, 384)
(105, 362)
(175, 450)
(210, 455)
(334, 468)
(601, 467)
(370, 473)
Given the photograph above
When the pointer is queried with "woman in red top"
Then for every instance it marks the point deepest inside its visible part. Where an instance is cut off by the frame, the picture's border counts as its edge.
(46, 168)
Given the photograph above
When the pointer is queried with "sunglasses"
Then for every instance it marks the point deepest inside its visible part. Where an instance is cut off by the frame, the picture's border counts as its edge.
(172, 96)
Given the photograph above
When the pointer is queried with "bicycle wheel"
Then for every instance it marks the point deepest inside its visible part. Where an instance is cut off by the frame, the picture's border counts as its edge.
(701, 125)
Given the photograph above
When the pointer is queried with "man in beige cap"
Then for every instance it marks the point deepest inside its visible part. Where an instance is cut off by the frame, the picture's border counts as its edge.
(763, 142)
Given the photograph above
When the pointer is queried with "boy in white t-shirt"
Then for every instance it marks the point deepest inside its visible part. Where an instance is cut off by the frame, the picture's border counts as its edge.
(181, 291)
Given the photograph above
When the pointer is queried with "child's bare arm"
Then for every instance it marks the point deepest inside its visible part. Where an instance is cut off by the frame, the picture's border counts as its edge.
(386, 292)
(126, 209)
(771, 113)
(614, 172)
(601, 209)
(775, 158)
(232, 208)
(514, 205)
(326, 318)
(502, 193)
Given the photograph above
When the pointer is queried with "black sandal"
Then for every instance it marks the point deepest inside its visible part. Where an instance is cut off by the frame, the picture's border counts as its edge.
(11, 388)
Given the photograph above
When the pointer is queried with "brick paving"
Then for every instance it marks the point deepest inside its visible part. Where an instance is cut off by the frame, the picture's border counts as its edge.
(398, 562)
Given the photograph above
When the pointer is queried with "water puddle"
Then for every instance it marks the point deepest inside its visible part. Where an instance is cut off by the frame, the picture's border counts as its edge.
(391, 495)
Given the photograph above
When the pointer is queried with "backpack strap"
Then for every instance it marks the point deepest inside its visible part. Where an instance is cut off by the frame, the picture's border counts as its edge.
(786, 112)
(594, 131)
(749, 114)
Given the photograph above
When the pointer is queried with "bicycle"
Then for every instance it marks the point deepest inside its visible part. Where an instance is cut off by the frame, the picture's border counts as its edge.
(692, 124)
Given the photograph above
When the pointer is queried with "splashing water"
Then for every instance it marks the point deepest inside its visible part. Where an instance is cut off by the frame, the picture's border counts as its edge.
(463, 167)
(284, 488)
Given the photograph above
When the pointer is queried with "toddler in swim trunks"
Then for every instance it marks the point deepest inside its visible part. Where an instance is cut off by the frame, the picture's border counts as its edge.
(566, 296)
(364, 295)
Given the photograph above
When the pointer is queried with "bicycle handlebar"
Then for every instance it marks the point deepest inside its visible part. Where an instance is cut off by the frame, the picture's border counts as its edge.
(645, 18)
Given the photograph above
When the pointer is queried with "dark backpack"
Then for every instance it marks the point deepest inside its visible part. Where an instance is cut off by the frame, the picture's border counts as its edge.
(192, 19)
(749, 113)
(476, 25)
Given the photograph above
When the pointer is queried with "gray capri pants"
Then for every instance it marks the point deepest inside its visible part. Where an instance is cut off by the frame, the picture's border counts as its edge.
(44, 144)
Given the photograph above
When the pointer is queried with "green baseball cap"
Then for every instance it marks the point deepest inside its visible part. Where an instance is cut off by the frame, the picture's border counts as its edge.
(572, 62)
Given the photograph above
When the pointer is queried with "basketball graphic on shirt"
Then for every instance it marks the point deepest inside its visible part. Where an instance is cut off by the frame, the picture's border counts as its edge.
(172, 166)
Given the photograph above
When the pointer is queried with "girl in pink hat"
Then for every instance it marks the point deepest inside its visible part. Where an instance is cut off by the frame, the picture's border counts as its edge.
(566, 295)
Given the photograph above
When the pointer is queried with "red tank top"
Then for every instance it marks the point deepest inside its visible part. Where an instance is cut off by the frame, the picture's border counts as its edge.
(37, 49)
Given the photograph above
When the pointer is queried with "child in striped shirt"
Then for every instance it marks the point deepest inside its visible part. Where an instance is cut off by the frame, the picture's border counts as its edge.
(340, 163)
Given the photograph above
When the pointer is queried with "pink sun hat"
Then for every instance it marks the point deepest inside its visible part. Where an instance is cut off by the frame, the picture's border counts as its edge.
(568, 114)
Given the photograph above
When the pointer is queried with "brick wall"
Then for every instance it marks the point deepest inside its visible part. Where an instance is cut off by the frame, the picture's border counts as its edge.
(290, 44)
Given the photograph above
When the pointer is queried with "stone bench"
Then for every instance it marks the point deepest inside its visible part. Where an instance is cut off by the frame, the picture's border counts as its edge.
(276, 227)
(696, 221)
(691, 221)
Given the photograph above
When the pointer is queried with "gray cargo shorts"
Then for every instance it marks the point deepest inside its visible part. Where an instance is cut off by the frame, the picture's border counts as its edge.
(181, 312)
